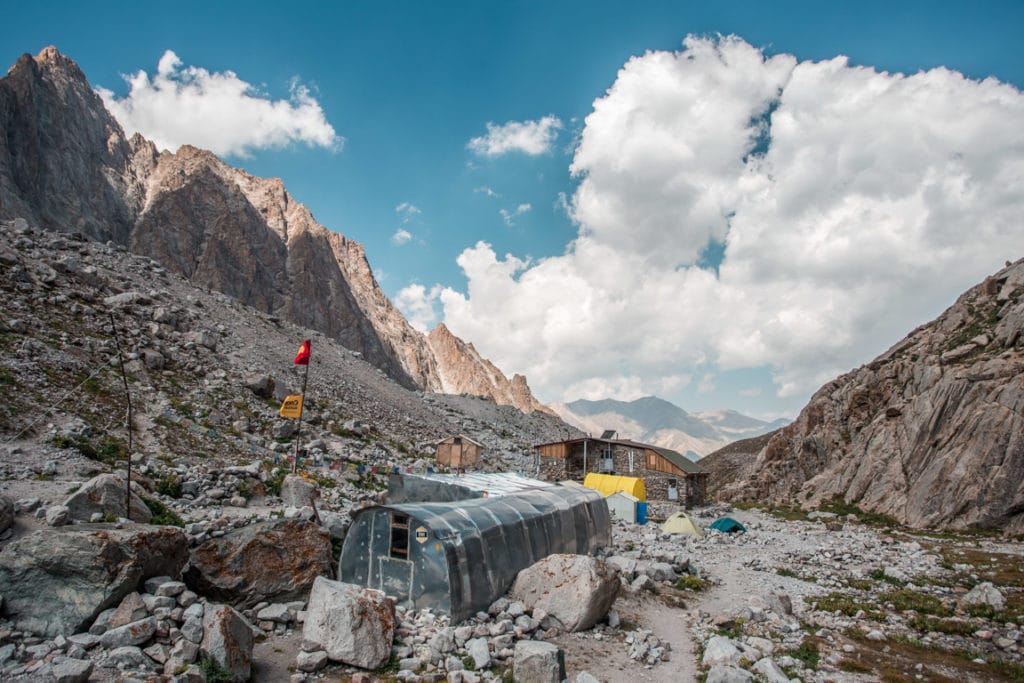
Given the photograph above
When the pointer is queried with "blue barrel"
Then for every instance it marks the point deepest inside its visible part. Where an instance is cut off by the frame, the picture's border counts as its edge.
(641, 513)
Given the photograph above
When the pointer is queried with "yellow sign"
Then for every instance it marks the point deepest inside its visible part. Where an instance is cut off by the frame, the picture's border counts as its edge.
(292, 406)
(421, 534)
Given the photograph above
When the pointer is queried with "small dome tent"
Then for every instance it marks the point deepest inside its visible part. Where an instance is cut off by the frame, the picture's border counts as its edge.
(727, 525)
(458, 557)
(680, 523)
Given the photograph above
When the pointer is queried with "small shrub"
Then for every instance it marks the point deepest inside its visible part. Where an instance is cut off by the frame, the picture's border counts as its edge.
(880, 575)
(213, 671)
(905, 599)
(169, 485)
(807, 653)
(162, 515)
(925, 624)
(689, 583)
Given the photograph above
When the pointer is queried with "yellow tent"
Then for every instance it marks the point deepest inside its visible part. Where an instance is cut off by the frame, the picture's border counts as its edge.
(680, 523)
(609, 484)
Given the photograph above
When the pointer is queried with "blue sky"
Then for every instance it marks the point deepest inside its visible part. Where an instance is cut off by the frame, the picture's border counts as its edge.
(408, 85)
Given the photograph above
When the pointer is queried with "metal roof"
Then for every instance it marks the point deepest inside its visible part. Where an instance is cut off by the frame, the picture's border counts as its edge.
(677, 459)
(490, 484)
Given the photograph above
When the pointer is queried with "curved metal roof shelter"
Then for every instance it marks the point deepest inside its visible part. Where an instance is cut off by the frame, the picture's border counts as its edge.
(458, 557)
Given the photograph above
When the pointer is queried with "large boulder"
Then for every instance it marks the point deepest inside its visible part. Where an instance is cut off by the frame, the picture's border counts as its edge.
(538, 662)
(106, 495)
(297, 492)
(56, 582)
(228, 639)
(352, 624)
(273, 561)
(6, 513)
(575, 590)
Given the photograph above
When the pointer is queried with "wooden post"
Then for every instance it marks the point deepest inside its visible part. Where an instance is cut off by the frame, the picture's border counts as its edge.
(128, 397)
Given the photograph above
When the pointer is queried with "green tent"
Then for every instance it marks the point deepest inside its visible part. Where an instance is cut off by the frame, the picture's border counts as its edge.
(727, 525)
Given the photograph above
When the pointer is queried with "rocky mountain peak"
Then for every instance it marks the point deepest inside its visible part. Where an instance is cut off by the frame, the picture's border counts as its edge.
(66, 165)
(462, 370)
(930, 433)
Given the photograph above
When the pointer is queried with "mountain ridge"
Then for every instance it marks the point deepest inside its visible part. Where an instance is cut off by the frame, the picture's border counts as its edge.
(930, 433)
(67, 165)
(654, 420)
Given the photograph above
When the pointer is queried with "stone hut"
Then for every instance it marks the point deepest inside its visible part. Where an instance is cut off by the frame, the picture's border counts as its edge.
(459, 451)
(667, 475)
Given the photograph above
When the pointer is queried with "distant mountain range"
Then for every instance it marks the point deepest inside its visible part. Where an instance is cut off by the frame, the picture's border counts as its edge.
(660, 423)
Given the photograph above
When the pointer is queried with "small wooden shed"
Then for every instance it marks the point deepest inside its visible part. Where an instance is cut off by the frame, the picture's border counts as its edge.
(459, 451)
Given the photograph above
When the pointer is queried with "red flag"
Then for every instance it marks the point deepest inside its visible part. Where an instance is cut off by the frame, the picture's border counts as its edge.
(302, 357)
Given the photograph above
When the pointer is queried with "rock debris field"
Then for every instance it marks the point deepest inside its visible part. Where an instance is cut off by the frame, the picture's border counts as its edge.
(821, 599)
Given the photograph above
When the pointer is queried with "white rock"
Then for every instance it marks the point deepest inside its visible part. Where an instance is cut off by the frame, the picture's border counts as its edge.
(354, 625)
(720, 650)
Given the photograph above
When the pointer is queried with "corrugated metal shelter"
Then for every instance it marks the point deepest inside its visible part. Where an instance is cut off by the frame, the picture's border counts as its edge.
(611, 483)
(459, 557)
(439, 488)
(459, 451)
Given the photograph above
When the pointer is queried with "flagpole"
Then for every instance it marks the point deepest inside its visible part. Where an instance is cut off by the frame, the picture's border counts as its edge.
(298, 429)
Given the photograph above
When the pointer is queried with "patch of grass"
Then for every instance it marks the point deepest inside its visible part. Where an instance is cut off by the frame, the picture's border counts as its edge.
(852, 666)
(840, 507)
(689, 583)
(732, 629)
(924, 624)
(860, 584)
(250, 488)
(162, 515)
(880, 575)
(469, 663)
(43, 476)
(169, 485)
(72, 489)
(277, 475)
(1002, 569)
(7, 379)
(906, 599)
(842, 603)
(213, 671)
(808, 653)
(784, 571)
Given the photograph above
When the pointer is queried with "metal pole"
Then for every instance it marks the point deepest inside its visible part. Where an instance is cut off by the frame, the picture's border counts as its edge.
(128, 397)
(298, 429)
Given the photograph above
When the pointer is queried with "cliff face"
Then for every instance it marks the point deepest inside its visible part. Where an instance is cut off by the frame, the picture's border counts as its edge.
(66, 165)
(930, 433)
(464, 371)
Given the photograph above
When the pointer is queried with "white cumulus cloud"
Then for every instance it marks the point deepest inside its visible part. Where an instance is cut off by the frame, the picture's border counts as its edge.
(418, 305)
(528, 137)
(216, 111)
(848, 205)
(510, 216)
(401, 236)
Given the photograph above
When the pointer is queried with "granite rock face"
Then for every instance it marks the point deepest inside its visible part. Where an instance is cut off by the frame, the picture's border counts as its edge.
(273, 561)
(57, 581)
(463, 370)
(930, 433)
(66, 165)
